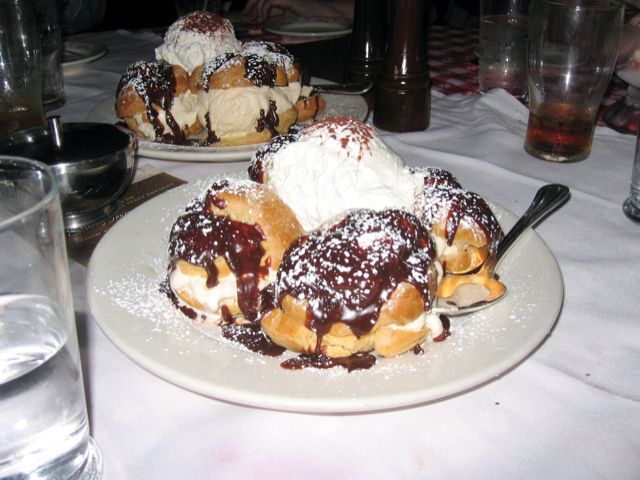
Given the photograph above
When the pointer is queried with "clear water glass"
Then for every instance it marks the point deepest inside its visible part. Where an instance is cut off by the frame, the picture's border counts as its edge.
(631, 206)
(44, 427)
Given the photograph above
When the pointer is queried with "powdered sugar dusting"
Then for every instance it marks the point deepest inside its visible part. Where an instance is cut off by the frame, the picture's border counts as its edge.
(260, 61)
(139, 294)
(349, 133)
(218, 64)
(273, 53)
(443, 197)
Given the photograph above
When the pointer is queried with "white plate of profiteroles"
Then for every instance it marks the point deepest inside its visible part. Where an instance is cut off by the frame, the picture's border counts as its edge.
(130, 263)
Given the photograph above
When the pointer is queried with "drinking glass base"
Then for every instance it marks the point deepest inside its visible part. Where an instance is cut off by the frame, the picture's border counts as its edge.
(631, 210)
(551, 156)
(92, 468)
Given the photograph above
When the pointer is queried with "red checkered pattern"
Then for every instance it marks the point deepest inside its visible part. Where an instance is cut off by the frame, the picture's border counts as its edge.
(453, 60)
(453, 65)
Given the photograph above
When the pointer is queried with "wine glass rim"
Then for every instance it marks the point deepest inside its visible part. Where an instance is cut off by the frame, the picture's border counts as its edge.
(578, 5)
(50, 192)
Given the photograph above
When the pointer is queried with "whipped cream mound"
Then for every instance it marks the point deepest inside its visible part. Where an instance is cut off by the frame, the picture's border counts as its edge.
(335, 165)
(196, 38)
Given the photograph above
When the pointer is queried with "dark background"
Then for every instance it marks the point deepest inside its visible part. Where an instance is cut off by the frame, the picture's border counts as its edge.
(131, 14)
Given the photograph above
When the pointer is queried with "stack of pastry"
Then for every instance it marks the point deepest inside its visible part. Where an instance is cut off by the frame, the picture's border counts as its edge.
(340, 281)
(207, 88)
(366, 282)
(341, 163)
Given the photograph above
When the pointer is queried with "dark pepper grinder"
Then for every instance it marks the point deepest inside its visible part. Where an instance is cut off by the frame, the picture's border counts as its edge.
(403, 88)
(366, 52)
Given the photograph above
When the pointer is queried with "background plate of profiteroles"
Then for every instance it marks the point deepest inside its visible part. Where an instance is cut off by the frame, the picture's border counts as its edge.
(336, 105)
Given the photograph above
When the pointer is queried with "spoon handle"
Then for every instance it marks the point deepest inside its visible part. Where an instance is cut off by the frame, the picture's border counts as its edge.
(547, 199)
(344, 88)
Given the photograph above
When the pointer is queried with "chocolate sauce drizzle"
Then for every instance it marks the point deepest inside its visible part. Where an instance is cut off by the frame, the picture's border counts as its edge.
(219, 63)
(199, 237)
(269, 120)
(258, 70)
(439, 177)
(274, 53)
(446, 329)
(347, 272)
(155, 83)
(186, 310)
(442, 194)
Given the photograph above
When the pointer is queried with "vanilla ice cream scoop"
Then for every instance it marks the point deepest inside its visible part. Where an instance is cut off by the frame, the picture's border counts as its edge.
(334, 165)
(196, 38)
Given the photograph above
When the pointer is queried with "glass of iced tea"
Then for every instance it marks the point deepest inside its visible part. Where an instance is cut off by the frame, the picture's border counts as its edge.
(572, 53)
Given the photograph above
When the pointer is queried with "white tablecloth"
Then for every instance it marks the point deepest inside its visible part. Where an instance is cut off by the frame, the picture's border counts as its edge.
(570, 410)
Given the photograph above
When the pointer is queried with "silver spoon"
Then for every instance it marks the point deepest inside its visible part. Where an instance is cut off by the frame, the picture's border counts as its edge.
(344, 88)
(547, 199)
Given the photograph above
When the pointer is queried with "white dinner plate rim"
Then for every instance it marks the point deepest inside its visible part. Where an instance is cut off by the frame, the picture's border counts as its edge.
(104, 112)
(128, 336)
(95, 52)
(287, 27)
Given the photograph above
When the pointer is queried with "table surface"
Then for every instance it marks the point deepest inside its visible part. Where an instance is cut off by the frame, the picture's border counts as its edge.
(571, 409)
